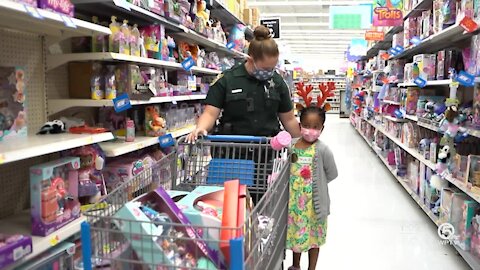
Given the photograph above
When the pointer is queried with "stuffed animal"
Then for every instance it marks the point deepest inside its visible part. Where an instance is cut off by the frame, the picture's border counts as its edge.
(443, 159)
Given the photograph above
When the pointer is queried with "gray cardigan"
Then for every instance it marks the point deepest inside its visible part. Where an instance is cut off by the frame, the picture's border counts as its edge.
(324, 170)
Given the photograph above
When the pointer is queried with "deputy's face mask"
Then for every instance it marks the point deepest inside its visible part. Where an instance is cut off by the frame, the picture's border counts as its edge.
(262, 74)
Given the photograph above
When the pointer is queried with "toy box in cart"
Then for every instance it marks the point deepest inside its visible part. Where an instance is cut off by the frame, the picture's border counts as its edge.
(158, 207)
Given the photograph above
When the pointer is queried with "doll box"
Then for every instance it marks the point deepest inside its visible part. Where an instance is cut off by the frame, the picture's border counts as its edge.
(426, 64)
(13, 117)
(13, 248)
(119, 171)
(462, 211)
(212, 196)
(177, 195)
(51, 187)
(61, 6)
(147, 245)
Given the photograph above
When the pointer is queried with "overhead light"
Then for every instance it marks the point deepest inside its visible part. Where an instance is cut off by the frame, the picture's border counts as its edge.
(314, 15)
(334, 42)
(337, 32)
(319, 37)
(306, 3)
(307, 24)
(295, 46)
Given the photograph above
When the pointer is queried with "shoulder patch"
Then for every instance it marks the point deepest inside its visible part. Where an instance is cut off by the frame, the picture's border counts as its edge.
(216, 79)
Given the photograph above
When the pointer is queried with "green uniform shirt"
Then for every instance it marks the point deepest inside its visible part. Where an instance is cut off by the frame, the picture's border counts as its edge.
(250, 107)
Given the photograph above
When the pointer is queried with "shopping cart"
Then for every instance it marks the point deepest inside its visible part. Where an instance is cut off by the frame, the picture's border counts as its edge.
(209, 162)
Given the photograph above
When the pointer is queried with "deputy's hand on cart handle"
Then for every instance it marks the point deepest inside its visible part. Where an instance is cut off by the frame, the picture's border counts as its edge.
(193, 137)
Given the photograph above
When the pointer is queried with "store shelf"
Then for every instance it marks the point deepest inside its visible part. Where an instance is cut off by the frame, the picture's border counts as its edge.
(411, 117)
(56, 60)
(20, 224)
(15, 16)
(418, 9)
(141, 16)
(413, 152)
(390, 102)
(58, 105)
(394, 119)
(227, 18)
(436, 42)
(120, 147)
(470, 259)
(38, 145)
(429, 83)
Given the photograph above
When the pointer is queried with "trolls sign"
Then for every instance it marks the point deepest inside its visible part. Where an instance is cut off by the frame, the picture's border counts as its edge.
(387, 12)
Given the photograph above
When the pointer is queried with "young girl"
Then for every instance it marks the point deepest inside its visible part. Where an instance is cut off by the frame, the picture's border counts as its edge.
(312, 169)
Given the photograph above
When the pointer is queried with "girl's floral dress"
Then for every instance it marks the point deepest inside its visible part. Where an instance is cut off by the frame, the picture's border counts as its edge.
(304, 230)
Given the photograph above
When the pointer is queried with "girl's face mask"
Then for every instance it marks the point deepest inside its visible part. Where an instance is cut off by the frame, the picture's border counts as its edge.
(310, 134)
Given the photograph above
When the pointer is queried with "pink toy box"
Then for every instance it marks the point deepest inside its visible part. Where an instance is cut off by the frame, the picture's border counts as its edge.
(146, 238)
(203, 207)
(61, 6)
(13, 117)
(52, 189)
(13, 248)
(117, 172)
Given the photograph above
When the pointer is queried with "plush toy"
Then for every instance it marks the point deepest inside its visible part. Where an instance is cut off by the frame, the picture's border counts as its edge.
(443, 159)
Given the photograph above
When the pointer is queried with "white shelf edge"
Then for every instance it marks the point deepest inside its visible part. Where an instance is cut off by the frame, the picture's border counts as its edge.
(58, 105)
(393, 119)
(20, 224)
(413, 152)
(120, 147)
(56, 60)
(391, 102)
(15, 16)
(469, 258)
(38, 145)
(429, 83)
(472, 132)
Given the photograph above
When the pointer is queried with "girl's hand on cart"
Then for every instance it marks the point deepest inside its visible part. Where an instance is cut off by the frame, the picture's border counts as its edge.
(193, 137)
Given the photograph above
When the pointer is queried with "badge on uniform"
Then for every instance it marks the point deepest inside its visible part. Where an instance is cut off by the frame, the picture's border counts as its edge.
(216, 79)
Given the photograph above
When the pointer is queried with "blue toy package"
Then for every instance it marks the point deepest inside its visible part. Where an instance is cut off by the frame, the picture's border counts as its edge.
(237, 36)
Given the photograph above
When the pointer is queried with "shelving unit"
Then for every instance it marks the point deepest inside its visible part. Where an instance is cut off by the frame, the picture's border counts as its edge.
(58, 105)
(20, 224)
(429, 83)
(120, 147)
(38, 145)
(41, 46)
(471, 260)
(16, 16)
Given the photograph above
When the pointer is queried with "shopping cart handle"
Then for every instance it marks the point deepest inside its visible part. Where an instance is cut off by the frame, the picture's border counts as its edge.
(235, 138)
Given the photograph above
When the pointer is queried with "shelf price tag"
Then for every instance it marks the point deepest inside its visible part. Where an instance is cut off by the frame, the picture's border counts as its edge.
(399, 49)
(68, 21)
(468, 24)
(188, 63)
(122, 4)
(122, 103)
(420, 82)
(385, 56)
(230, 45)
(415, 40)
(392, 51)
(465, 79)
(33, 11)
(166, 141)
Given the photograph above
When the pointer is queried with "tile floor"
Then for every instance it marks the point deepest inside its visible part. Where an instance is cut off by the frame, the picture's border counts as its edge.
(374, 224)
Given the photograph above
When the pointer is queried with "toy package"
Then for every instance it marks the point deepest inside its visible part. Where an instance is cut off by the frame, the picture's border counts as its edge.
(425, 66)
(475, 123)
(52, 189)
(465, 8)
(149, 217)
(61, 6)
(13, 116)
(426, 21)
(154, 123)
(13, 248)
(124, 169)
(437, 16)
(412, 100)
(462, 211)
(475, 239)
(446, 205)
(237, 36)
(473, 173)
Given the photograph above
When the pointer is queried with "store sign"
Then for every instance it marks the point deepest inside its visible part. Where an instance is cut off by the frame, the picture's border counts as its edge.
(374, 35)
(273, 24)
(387, 13)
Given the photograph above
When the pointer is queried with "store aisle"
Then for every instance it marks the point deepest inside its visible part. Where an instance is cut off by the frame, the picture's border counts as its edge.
(374, 224)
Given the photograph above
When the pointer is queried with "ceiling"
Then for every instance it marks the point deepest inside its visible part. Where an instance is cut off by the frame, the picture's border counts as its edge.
(305, 26)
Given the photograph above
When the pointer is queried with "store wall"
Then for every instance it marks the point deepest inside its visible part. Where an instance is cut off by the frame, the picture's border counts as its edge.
(316, 62)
